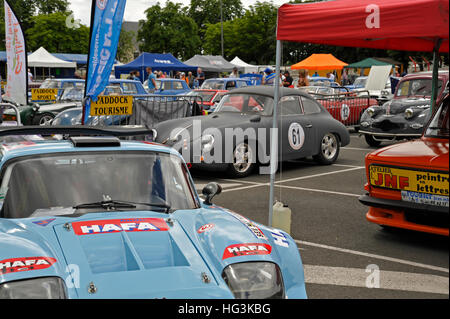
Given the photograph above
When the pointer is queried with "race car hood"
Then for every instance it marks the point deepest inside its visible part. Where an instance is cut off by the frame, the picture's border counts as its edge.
(397, 106)
(135, 254)
(421, 153)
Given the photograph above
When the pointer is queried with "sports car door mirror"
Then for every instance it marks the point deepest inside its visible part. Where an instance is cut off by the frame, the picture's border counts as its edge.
(255, 118)
(210, 190)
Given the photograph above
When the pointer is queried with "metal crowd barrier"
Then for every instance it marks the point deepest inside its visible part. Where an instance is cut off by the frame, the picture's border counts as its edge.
(346, 107)
(150, 110)
(9, 119)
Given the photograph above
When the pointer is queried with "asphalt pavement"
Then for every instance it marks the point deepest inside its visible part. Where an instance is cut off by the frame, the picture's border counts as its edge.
(344, 255)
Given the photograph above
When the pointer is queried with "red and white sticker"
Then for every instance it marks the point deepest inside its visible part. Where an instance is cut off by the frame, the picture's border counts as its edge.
(204, 228)
(246, 250)
(119, 225)
(12, 265)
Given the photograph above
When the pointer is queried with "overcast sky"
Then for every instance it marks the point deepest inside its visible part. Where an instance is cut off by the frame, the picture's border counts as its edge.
(134, 10)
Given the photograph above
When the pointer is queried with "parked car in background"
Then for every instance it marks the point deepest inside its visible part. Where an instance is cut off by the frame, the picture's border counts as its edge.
(60, 84)
(407, 113)
(408, 183)
(307, 129)
(345, 107)
(381, 95)
(169, 86)
(224, 83)
(209, 99)
(127, 223)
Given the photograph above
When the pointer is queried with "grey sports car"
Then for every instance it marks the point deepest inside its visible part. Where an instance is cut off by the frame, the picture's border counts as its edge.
(236, 137)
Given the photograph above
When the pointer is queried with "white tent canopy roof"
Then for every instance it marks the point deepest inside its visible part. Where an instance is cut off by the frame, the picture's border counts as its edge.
(42, 58)
(248, 67)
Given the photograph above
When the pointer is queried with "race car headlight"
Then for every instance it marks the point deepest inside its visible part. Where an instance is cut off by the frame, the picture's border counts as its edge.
(254, 280)
(409, 113)
(384, 93)
(38, 288)
(371, 111)
(207, 142)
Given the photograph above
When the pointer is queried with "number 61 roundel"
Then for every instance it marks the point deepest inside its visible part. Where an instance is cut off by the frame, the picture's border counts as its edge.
(296, 136)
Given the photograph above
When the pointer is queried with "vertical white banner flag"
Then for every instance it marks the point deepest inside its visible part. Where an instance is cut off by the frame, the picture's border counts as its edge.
(16, 57)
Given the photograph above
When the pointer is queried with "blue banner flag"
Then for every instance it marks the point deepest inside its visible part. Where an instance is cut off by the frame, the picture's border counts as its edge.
(106, 23)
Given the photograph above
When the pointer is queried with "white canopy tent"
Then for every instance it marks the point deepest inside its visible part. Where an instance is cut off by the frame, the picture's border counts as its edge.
(249, 68)
(43, 59)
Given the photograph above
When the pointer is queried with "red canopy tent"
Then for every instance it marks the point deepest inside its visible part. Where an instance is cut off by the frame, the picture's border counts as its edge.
(379, 24)
(418, 25)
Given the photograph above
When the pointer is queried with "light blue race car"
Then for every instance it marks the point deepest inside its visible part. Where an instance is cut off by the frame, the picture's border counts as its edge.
(95, 216)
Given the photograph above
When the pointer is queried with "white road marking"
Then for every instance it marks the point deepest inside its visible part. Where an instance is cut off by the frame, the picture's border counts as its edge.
(394, 280)
(354, 252)
(318, 190)
(358, 149)
(319, 175)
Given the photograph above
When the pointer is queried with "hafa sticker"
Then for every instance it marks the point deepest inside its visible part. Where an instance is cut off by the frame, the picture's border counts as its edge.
(296, 136)
(204, 228)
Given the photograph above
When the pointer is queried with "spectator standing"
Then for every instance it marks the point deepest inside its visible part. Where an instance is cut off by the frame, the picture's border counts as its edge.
(315, 74)
(200, 76)
(234, 74)
(269, 78)
(30, 76)
(190, 80)
(302, 78)
(151, 80)
(287, 82)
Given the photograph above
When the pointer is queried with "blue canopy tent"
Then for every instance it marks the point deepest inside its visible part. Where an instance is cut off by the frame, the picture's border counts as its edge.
(165, 62)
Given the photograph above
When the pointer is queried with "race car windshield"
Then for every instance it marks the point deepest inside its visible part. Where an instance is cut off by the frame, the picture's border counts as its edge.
(439, 125)
(417, 87)
(246, 103)
(50, 184)
(205, 95)
(213, 85)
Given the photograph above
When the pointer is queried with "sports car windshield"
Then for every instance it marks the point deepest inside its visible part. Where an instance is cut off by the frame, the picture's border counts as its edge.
(416, 87)
(47, 185)
(246, 103)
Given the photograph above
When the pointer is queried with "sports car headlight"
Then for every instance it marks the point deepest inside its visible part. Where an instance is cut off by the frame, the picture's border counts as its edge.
(409, 113)
(371, 111)
(37, 288)
(207, 142)
(254, 280)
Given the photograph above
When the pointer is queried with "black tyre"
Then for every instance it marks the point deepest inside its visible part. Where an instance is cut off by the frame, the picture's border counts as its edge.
(371, 141)
(329, 149)
(244, 161)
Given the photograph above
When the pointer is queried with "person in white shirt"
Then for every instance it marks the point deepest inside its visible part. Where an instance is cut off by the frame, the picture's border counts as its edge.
(30, 76)
(234, 74)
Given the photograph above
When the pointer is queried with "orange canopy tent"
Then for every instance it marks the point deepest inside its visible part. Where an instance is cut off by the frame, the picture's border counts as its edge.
(320, 61)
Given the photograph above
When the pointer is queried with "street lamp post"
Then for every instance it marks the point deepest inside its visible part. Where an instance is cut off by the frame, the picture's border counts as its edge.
(221, 26)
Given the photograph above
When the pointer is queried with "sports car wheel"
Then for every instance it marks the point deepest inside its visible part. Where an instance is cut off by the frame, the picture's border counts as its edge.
(243, 161)
(371, 141)
(43, 119)
(329, 149)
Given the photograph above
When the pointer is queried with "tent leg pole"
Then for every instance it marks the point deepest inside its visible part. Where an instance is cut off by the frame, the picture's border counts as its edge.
(434, 81)
(274, 132)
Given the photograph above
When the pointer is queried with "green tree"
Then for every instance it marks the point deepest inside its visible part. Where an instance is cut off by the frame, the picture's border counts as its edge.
(125, 49)
(51, 31)
(251, 37)
(51, 6)
(169, 29)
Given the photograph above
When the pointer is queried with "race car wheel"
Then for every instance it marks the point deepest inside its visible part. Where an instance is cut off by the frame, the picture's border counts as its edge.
(329, 149)
(371, 141)
(43, 119)
(244, 160)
